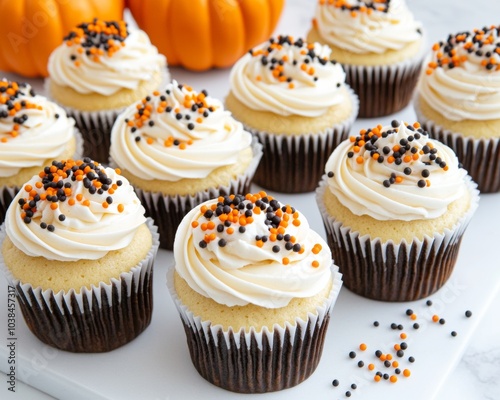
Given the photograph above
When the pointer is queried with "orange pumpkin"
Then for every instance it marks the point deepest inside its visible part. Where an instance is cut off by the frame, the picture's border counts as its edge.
(31, 29)
(201, 34)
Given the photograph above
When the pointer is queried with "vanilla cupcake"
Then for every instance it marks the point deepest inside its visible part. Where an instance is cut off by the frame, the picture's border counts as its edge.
(458, 101)
(79, 251)
(288, 94)
(99, 69)
(380, 46)
(179, 148)
(33, 131)
(254, 286)
(395, 205)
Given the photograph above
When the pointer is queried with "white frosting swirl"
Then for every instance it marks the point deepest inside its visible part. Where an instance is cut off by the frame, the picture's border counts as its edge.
(181, 138)
(308, 86)
(135, 62)
(33, 131)
(471, 89)
(363, 184)
(233, 270)
(85, 231)
(363, 28)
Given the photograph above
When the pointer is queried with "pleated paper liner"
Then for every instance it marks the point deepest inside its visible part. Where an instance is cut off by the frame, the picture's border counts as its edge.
(168, 210)
(384, 89)
(480, 157)
(95, 320)
(295, 163)
(7, 193)
(257, 362)
(393, 271)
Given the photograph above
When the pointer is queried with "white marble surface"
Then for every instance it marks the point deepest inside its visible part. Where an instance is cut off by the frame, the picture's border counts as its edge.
(478, 374)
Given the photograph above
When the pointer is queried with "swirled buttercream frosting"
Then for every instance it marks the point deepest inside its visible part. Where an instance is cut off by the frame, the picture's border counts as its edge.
(177, 133)
(395, 172)
(74, 210)
(104, 57)
(32, 128)
(364, 27)
(462, 78)
(252, 249)
(288, 77)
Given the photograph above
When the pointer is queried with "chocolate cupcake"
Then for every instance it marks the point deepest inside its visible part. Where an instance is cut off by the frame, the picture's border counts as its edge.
(254, 286)
(79, 251)
(458, 101)
(295, 101)
(380, 46)
(179, 147)
(395, 204)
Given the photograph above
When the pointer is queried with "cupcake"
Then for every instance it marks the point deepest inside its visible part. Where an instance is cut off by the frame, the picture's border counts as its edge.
(99, 70)
(380, 46)
(294, 100)
(254, 286)
(33, 131)
(395, 205)
(179, 148)
(458, 101)
(76, 246)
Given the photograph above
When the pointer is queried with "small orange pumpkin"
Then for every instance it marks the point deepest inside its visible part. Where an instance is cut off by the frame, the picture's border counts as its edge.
(201, 34)
(30, 29)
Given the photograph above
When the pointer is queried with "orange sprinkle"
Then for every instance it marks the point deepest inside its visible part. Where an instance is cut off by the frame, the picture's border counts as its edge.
(413, 317)
(121, 207)
(407, 373)
(296, 222)
(105, 204)
(285, 260)
(435, 318)
(315, 264)
(371, 367)
(362, 347)
(393, 378)
(376, 378)
(230, 231)
(403, 335)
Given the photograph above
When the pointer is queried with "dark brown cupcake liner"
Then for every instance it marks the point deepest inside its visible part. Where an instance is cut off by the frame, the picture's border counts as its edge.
(394, 271)
(384, 89)
(257, 362)
(480, 157)
(169, 210)
(95, 128)
(7, 194)
(295, 163)
(95, 320)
